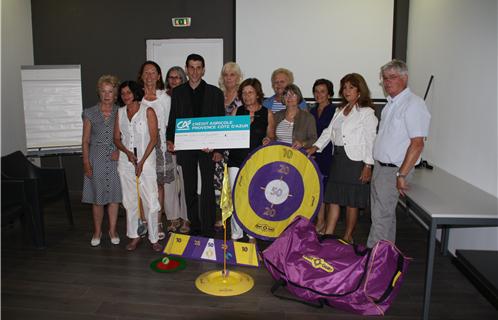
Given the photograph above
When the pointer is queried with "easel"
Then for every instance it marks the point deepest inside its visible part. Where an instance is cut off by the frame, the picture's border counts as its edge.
(58, 152)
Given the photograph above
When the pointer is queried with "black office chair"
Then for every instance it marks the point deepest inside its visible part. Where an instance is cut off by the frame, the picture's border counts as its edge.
(49, 184)
(15, 205)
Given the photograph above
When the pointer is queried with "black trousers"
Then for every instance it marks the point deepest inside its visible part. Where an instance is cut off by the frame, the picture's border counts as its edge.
(202, 218)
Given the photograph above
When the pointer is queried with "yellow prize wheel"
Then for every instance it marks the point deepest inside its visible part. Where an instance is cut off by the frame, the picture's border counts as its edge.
(275, 184)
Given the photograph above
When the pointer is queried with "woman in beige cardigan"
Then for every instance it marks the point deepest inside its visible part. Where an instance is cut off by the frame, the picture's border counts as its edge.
(294, 125)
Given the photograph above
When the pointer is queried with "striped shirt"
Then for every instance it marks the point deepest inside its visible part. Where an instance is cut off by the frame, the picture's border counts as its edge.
(284, 131)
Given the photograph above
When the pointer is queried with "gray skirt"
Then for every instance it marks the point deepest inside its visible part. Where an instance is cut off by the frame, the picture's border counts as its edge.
(344, 186)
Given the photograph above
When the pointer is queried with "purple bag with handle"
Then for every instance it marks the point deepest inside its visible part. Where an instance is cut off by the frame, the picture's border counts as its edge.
(331, 271)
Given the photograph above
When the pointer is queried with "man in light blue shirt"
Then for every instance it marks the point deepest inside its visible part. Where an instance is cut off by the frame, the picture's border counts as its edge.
(280, 78)
(403, 127)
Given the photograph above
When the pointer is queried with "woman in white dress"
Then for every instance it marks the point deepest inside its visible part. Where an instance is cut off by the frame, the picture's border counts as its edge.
(151, 79)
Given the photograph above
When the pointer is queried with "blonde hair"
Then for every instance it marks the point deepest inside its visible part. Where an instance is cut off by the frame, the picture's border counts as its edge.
(227, 67)
(285, 71)
(109, 79)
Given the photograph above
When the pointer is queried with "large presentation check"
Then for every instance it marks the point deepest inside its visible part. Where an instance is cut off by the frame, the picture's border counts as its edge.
(228, 132)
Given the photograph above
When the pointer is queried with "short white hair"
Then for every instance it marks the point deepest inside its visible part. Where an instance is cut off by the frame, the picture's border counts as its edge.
(398, 65)
(227, 67)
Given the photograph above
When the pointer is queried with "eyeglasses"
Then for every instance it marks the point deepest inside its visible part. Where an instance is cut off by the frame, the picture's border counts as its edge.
(174, 78)
(290, 94)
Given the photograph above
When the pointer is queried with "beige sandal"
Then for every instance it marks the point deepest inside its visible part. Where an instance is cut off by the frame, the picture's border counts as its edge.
(173, 225)
(218, 224)
(161, 235)
(185, 228)
(157, 247)
(132, 245)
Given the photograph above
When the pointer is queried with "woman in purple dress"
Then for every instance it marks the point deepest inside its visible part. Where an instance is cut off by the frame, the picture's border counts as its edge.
(323, 111)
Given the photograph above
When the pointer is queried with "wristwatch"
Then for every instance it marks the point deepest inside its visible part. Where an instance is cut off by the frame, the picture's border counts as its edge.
(399, 175)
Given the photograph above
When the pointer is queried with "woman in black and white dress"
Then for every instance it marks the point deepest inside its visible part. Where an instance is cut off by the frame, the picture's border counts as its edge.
(101, 185)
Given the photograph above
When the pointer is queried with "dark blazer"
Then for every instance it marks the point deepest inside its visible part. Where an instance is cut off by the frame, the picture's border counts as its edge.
(181, 105)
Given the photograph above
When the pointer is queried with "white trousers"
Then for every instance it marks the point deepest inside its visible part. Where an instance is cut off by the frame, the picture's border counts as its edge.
(237, 231)
(150, 203)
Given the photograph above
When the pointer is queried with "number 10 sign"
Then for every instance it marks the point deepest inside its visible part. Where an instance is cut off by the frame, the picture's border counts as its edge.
(275, 184)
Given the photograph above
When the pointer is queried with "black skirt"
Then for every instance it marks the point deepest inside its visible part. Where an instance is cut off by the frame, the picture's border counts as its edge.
(344, 186)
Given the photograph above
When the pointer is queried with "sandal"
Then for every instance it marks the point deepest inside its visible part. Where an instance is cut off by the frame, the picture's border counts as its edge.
(157, 247)
(185, 228)
(349, 241)
(132, 245)
(218, 224)
(161, 235)
(320, 229)
(173, 225)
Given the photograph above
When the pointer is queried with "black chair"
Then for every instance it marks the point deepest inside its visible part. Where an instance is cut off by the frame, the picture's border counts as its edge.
(15, 205)
(42, 185)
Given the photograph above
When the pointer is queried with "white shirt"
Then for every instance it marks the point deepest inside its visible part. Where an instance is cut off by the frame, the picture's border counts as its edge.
(404, 117)
(135, 134)
(337, 130)
(162, 108)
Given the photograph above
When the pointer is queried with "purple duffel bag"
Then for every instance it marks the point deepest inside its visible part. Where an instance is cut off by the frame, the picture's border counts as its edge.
(331, 271)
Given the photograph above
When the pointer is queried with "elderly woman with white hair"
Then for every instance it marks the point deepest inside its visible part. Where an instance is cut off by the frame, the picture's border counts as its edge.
(101, 185)
(229, 81)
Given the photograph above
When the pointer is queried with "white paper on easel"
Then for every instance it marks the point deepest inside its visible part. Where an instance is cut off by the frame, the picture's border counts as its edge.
(52, 106)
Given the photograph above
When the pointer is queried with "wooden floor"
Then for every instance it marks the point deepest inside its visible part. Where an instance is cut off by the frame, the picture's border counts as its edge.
(71, 280)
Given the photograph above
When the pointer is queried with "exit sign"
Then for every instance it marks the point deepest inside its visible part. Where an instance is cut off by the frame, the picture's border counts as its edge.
(181, 22)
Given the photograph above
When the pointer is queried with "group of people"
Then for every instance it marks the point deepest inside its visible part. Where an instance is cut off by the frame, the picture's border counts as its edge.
(125, 159)
(129, 154)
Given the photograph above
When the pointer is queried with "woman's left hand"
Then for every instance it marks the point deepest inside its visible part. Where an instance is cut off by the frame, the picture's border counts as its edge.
(297, 145)
(366, 174)
(115, 155)
(266, 141)
(138, 168)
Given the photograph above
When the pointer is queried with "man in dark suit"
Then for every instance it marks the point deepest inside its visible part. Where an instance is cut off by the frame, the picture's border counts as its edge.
(196, 98)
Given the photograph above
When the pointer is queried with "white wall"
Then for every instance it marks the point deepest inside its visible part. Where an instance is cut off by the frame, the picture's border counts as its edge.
(457, 42)
(17, 50)
(315, 39)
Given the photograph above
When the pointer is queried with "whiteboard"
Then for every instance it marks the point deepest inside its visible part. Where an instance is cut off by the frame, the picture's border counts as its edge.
(314, 39)
(168, 53)
(52, 106)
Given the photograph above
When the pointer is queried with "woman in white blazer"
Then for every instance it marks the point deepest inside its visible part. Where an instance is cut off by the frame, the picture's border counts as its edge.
(352, 132)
